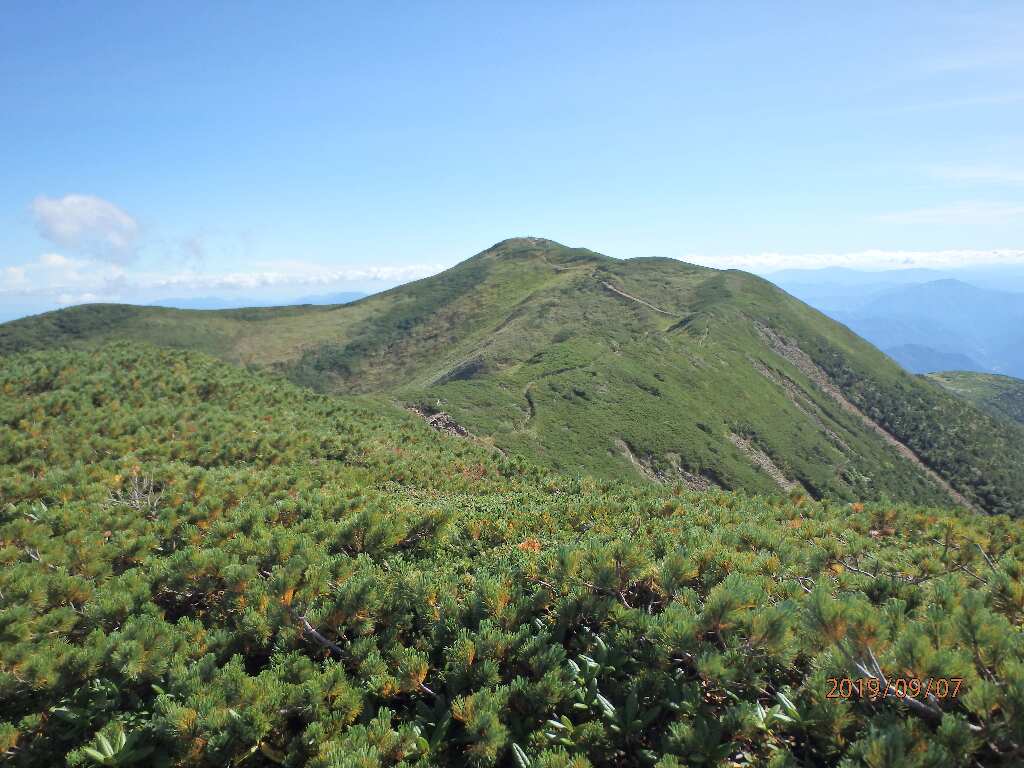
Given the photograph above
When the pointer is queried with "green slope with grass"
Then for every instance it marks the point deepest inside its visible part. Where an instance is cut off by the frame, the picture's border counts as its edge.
(623, 369)
(206, 566)
(1002, 396)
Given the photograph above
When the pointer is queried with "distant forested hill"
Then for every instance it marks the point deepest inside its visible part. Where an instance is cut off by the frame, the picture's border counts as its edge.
(645, 368)
(1001, 396)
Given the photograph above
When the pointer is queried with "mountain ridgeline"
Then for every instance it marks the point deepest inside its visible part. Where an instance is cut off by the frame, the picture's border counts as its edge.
(644, 368)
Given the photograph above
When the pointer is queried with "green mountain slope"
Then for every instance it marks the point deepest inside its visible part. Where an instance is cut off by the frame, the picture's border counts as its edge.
(646, 367)
(1002, 396)
(205, 566)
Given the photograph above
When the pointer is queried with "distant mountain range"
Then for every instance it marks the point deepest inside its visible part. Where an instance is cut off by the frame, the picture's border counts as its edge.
(17, 307)
(999, 277)
(924, 319)
(220, 302)
(643, 368)
(921, 359)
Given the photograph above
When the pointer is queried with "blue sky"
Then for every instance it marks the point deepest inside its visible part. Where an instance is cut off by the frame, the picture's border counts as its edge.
(152, 150)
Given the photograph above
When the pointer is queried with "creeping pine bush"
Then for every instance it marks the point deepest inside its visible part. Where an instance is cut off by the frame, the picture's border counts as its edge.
(204, 567)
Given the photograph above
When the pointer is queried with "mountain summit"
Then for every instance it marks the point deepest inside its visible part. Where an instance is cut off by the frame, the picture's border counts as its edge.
(632, 369)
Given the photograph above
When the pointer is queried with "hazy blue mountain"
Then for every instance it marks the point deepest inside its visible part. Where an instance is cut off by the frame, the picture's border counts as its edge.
(220, 302)
(1009, 277)
(203, 302)
(952, 317)
(928, 320)
(16, 306)
(1006, 277)
(343, 297)
(836, 289)
(919, 359)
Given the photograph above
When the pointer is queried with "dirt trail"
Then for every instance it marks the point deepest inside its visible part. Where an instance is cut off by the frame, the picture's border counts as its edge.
(791, 352)
(625, 295)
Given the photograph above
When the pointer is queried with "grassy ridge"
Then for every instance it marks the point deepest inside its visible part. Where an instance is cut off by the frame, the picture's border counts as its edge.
(205, 566)
(1002, 396)
(622, 369)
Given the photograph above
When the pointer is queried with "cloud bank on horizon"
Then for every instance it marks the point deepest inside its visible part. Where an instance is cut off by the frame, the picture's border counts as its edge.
(111, 261)
(876, 260)
(106, 241)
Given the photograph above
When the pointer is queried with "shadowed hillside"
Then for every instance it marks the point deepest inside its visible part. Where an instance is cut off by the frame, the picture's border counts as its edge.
(641, 368)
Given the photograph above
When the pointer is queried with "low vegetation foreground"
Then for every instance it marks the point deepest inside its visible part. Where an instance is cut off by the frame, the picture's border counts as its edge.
(201, 565)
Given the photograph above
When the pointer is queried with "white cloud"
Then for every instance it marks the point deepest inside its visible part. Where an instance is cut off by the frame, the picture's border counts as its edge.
(55, 260)
(89, 225)
(52, 273)
(969, 212)
(62, 280)
(66, 299)
(289, 274)
(14, 278)
(866, 260)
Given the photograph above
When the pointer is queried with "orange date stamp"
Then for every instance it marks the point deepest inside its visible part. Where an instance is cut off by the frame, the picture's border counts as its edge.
(898, 687)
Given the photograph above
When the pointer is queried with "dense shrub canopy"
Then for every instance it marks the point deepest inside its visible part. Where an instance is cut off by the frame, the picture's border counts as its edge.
(203, 566)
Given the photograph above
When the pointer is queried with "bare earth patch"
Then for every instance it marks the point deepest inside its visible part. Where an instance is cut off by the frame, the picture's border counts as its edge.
(441, 421)
(678, 473)
(764, 461)
(800, 401)
(791, 352)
